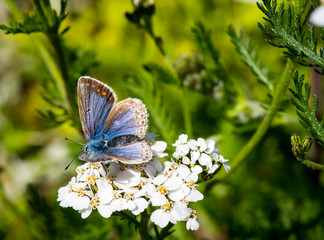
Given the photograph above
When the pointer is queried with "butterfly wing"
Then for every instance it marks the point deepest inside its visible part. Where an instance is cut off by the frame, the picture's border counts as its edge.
(128, 117)
(136, 153)
(95, 102)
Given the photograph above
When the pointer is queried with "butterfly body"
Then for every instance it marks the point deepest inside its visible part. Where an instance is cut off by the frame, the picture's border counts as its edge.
(114, 132)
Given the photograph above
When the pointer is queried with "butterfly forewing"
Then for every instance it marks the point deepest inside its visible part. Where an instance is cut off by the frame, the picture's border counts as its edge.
(95, 102)
(128, 117)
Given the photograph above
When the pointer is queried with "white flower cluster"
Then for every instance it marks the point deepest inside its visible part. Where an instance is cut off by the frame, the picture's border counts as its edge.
(170, 187)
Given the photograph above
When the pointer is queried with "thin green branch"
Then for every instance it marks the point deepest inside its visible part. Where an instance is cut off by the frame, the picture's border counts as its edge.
(186, 113)
(311, 164)
(249, 57)
(280, 91)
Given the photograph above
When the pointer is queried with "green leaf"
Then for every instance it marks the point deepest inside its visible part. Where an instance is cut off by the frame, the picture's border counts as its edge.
(306, 113)
(288, 31)
(30, 24)
(250, 57)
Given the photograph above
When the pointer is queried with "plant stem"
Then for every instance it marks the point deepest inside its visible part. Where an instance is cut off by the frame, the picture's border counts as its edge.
(70, 89)
(58, 45)
(186, 113)
(311, 164)
(143, 227)
(127, 217)
(280, 91)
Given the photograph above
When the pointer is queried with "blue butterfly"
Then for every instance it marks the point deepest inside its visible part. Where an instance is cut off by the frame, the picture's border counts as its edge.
(114, 132)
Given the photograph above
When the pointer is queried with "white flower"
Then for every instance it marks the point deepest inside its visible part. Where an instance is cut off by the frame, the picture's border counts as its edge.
(212, 169)
(151, 168)
(122, 173)
(220, 159)
(205, 146)
(158, 196)
(182, 145)
(158, 149)
(82, 200)
(135, 202)
(169, 213)
(192, 222)
(66, 195)
(192, 163)
(317, 16)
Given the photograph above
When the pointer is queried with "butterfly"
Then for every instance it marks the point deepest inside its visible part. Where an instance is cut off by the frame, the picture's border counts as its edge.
(115, 132)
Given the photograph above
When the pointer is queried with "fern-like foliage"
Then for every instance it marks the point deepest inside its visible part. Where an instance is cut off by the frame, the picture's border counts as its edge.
(207, 49)
(149, 91)
(29, 24)
(41, 21)
(57, 114)
(305, 112)
(71, 63)
(289, 30)
(161, 74)
(216, 73)
(250, 57)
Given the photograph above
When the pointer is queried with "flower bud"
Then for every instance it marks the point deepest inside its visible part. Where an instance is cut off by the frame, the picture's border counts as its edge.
(298, 152)
(307, 143)
(295, 140)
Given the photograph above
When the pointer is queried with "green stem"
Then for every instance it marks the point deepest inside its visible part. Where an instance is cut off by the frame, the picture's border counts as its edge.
(165, 232)
(127, 217)
(186, 113)
(57, 43)
(311, 164)
(280, 91)
(143, 227)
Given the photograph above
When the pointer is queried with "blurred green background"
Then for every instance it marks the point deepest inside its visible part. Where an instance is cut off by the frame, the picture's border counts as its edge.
(269, 195)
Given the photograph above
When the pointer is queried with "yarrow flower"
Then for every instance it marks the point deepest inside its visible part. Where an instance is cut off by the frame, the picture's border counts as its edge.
(168, 188)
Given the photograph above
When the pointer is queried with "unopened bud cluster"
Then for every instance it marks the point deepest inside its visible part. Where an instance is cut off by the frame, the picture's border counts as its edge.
(299, 148)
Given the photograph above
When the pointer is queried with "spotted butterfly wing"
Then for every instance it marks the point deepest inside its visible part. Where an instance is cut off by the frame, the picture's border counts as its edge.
(115, 133)
(95, 103)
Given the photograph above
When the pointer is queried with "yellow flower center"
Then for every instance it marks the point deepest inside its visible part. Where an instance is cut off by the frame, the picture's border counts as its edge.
(162, 190)
(91, 179)
(94, 202)
(192, 184)
(167, 206)
(129, 196)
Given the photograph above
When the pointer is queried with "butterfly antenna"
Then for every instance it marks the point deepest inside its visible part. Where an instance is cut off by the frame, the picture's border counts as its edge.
(72, 161)
(74, 141)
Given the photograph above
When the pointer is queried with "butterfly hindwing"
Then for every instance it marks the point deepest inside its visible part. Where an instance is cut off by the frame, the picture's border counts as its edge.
(128, 117)
(136, 153)
(95, 103)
